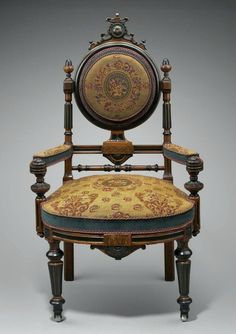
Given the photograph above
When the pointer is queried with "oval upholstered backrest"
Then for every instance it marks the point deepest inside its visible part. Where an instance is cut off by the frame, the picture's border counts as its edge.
(117, 83)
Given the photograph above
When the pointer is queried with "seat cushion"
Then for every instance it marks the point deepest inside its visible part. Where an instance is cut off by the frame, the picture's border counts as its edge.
(107, 203)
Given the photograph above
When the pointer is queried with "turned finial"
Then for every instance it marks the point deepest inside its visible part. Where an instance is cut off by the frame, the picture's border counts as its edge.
(166, 67)
(68, 68)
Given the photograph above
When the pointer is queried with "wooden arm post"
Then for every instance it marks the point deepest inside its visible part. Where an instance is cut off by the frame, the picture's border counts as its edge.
(68, 88)
(194, 166)
(38, 167)
(166, 89)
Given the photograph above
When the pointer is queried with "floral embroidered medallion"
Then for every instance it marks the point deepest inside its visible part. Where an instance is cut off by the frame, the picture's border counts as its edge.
(112, 183)
(117, 85)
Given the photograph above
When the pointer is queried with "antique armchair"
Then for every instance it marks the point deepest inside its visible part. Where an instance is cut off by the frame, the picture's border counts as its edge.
(117, 87)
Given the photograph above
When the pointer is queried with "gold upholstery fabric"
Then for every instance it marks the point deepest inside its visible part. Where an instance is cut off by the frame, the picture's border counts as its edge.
(117, 197)
(179, 149)
(52, 151)
(117, 86)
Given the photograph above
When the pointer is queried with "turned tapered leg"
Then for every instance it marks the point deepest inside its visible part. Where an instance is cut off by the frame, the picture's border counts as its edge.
(68, 261)
(169, 261)
(183, 264)
(55, 266)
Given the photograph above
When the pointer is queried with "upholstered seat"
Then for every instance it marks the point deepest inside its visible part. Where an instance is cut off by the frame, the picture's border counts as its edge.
(106, 203)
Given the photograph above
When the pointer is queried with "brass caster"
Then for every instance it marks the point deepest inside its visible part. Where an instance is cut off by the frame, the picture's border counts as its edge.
(184, 317)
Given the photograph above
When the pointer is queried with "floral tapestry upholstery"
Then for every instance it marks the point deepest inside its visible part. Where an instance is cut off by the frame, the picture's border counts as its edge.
(177, 153)
(116, 84)
(55, 154)
(117, 203)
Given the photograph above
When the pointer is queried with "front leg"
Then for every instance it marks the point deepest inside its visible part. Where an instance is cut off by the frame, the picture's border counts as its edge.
(183, 265)
(55, 266)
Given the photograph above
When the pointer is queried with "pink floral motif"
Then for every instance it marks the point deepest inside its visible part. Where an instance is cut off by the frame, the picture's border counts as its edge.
(118, 64)
(74, 205)
(106, 199)
(127, 199)
(115, 194)
(93, 208)
(137, 207)
(120, 215)
(115, 206)
(159, 205)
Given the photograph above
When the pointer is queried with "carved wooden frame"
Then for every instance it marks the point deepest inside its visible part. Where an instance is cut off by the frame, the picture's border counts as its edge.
(117, 149)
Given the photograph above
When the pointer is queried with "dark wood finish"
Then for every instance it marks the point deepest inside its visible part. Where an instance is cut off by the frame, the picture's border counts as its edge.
(117, 149)
(169, 261)
(194, 166)
(68, 88)
(137, 239)
(55, 266)
(166, 89)
(117, 252)
(68, 261)
(97, 149)
(39, 168)
(183, 264)
(117, 168)
(112, 239)
(117, 32)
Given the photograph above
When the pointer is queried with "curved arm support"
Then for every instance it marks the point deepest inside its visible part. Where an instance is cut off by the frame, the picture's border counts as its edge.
(38, 167)
(194, 165)
(55, 154)
(178, 153)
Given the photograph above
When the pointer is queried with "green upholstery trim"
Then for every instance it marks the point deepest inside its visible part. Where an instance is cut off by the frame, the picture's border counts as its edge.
(58, 157)
(127, 225)
(177, 156)
(52, 159)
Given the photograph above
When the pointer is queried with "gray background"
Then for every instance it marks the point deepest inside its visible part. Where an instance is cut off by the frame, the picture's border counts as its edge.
(109, 296)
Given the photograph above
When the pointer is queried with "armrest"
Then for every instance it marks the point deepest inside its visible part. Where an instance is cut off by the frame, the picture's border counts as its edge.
(55, 154)
(194, 165)
(38, 167)
(178, 153)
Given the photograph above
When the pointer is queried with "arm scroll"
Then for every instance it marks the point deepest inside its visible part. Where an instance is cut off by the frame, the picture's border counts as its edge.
(55, 154)
(178, 153)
